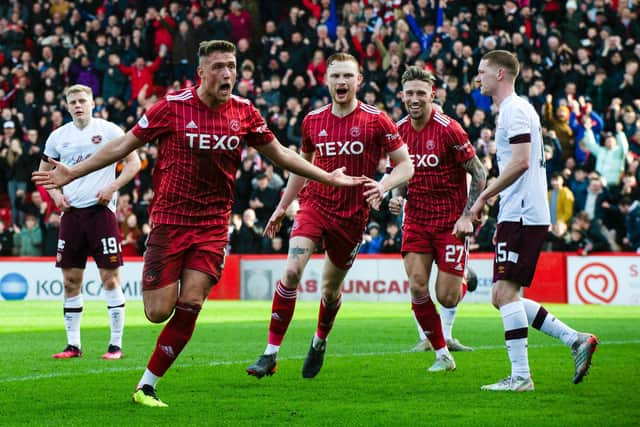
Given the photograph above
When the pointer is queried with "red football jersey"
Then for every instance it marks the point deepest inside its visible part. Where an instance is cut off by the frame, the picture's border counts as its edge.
(199, 154)
(357, 141)
(437, 193)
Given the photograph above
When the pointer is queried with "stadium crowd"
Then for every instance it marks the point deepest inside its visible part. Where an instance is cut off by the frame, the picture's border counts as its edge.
(579, 59)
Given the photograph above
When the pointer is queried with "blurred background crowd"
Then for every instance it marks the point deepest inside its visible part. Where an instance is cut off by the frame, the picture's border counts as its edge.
(579, 61)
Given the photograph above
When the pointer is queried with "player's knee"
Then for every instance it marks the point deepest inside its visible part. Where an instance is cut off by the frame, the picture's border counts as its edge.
(110, 283)
(495, 298)
(292, 277)
(449, 300)
(418, 280)
(157, 314)
(330, 295)
(72, 286)
(419, 291)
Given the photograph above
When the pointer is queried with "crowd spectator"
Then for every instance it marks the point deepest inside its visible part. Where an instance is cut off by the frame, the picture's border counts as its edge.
(560, 200)
(6, 240)
(246, 237)
(392, 240)
(51, 231)
(372, 240)
(594, 231)
(590, 200)
(632, 239)
(610, 158)
(28, 239)
(263, 199)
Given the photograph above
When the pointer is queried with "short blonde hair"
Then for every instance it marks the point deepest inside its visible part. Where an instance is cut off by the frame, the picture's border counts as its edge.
(417, 73)
(343, 57)
(208, 47)
(78, 88)
(504, 59)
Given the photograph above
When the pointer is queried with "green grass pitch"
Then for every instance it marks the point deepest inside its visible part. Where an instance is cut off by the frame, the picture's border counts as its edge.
(369, 376)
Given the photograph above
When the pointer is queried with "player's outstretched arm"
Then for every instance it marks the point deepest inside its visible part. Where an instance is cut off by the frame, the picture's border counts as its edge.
(130, 169)
(115, 149)
(290, 160)
(401, 173)
(294, 185)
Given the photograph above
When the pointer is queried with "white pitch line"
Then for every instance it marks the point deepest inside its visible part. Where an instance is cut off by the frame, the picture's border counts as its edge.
(240, 362)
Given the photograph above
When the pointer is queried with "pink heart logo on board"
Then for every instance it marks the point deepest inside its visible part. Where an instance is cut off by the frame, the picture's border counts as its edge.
(596, 283)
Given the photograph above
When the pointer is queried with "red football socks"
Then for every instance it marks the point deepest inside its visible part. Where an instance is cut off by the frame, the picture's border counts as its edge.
(175, 335)
(282, 308)
(326, 316)
(429, 321)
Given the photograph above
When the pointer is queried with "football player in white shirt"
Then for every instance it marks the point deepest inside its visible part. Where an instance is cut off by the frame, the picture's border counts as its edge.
(88, 225)
(523, 222)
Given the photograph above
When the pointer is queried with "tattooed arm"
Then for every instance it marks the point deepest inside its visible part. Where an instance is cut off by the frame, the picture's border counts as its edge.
(473, 166)
(478, 181)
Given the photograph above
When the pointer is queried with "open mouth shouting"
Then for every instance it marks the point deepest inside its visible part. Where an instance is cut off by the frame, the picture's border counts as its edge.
(341, 93)
(225, 89)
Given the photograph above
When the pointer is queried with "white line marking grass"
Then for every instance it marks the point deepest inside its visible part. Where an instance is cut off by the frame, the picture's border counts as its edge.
(242, 362)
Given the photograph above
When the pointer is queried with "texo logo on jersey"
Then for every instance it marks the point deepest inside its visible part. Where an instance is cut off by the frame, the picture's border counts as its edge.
(334, 148)
(205, 141)
(424, 160)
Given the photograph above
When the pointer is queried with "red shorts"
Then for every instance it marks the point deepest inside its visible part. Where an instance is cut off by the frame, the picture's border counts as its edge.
(517, 250)
(173, 248)
(342, 238)
(89, 231)
(449, 252)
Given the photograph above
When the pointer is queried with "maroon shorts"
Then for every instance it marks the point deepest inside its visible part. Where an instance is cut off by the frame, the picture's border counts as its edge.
(89, 231)
(173, 248)
(517, 250)
(449, 252)
(342, 238)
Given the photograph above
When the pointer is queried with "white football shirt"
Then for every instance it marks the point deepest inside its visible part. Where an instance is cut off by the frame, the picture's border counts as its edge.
(71, 145)
(526, 199)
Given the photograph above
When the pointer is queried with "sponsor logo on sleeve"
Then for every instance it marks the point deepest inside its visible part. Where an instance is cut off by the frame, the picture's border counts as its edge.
(143, 122)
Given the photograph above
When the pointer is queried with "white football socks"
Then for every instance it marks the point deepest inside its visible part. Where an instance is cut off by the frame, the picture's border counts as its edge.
(148, 378)
(550, 324)
(72, 308)
(271, 349)
(514, 318)
(447, 316)
(115, 306)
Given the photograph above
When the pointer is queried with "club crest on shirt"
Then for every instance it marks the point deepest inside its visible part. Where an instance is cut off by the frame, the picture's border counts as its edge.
(234, 125)
(431, 145)
(355, 132)
(151, 276)
(96, 139)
